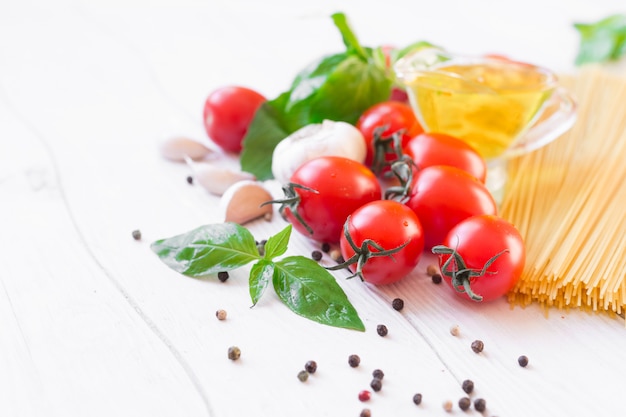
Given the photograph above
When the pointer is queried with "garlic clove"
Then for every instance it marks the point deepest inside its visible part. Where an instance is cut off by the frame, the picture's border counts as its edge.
(241, 202)
(215, 178)
(176, 148)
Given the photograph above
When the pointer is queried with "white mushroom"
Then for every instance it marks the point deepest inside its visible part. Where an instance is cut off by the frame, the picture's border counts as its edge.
(242, 202)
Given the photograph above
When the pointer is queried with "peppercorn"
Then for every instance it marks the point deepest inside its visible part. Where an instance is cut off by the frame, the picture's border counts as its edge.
(382, 330)
(480, 405)
(454, 330)
(189, 179)
(335, 255)
(397, 304)
(222, 276)
(234, 353)
(376, 384)
(468, 386)
(417, 399)
(310, 367)
(436, 279)
(220, 314)
(447, 405)
(137, 234)
(303, 376)
(354, 360)
(464, 403)
(316, 255)
(523, 361)
(365, 413)
(432, 270)
(365, 395)
(478, 346)
(325, 247)
(377, 373)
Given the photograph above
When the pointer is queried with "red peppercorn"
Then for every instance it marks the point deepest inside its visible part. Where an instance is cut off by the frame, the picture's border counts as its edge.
(365, 395)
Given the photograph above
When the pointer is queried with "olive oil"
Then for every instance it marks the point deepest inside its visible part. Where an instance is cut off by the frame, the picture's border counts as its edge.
(488, 104)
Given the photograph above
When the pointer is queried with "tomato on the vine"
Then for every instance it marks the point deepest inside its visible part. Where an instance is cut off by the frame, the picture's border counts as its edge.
(482, 257)
(428, 149)
(393, 114)
(387, 236)
(323, 192)
(442, 196)
(228, 112)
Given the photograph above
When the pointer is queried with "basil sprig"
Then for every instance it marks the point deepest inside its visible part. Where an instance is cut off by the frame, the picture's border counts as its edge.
(602, 41)
(304, 286)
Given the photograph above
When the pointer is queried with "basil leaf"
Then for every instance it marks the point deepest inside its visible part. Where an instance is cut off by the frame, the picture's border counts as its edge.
(277, 245)
(602, 41)
(208, 249)
(311, 291)
(260, 276)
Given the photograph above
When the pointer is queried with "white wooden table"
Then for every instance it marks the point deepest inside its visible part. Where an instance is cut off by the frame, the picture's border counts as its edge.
(93, 324)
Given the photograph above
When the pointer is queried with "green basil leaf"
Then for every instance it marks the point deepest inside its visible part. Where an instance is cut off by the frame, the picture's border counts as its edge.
(602, 41)
(310, 291)
(349, 38)
(208, 249)
(277, 245)
(260, 276)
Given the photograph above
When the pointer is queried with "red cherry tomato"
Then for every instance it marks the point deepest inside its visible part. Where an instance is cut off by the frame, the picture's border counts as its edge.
(490, 250)
(340, 185)
(390, 225)
(428, 149)
(396, 116)
(442, 196)
(228, 112)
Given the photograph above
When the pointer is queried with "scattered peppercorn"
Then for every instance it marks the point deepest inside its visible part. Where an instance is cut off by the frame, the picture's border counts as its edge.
(417, 399)
(325, 247)
(378, 374)
(397, 304)
(454, 330)
(222, 276)
(335, 255)
(137, 234)
(354, 360)
(303, 376)
(478, 346)
(468, 386)
(234, 353)
(220, 314)
(382, 330)
(316, 255)
(432, 270)
(310, 367)
(189, 179)
(447, 405)
(523, 361)
(365, 395)
(365, 413)
(465, 403)
(480, 405)
(436, 279)
(376, 384)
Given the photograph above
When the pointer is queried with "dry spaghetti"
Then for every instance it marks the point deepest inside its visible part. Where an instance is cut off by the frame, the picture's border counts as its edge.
(568, 200)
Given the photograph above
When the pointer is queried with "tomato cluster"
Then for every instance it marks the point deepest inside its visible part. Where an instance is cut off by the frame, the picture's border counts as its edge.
(414, 191)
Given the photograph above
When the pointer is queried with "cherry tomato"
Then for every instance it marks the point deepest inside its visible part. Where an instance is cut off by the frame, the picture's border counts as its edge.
(490, 250)
(389, 225)
(428, 149)
(442, 196)
(228, 112)
(396, 116)
(336, 187)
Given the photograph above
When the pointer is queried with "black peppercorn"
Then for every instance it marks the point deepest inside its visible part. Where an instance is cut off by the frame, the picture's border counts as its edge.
(523, 361)
(480, 405)
(468, 386)
(378, 374)
(189, 179)
(234, 353)
(316, 255)
(137, 234)
(325, 247)
(417, 399)
(478, 346)
(222, 276)
(436, 278)
(464, 403)
(382, 330)
(376, 384)
(365, 413)
(354, 360)
(397, 304)
(310, 367)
